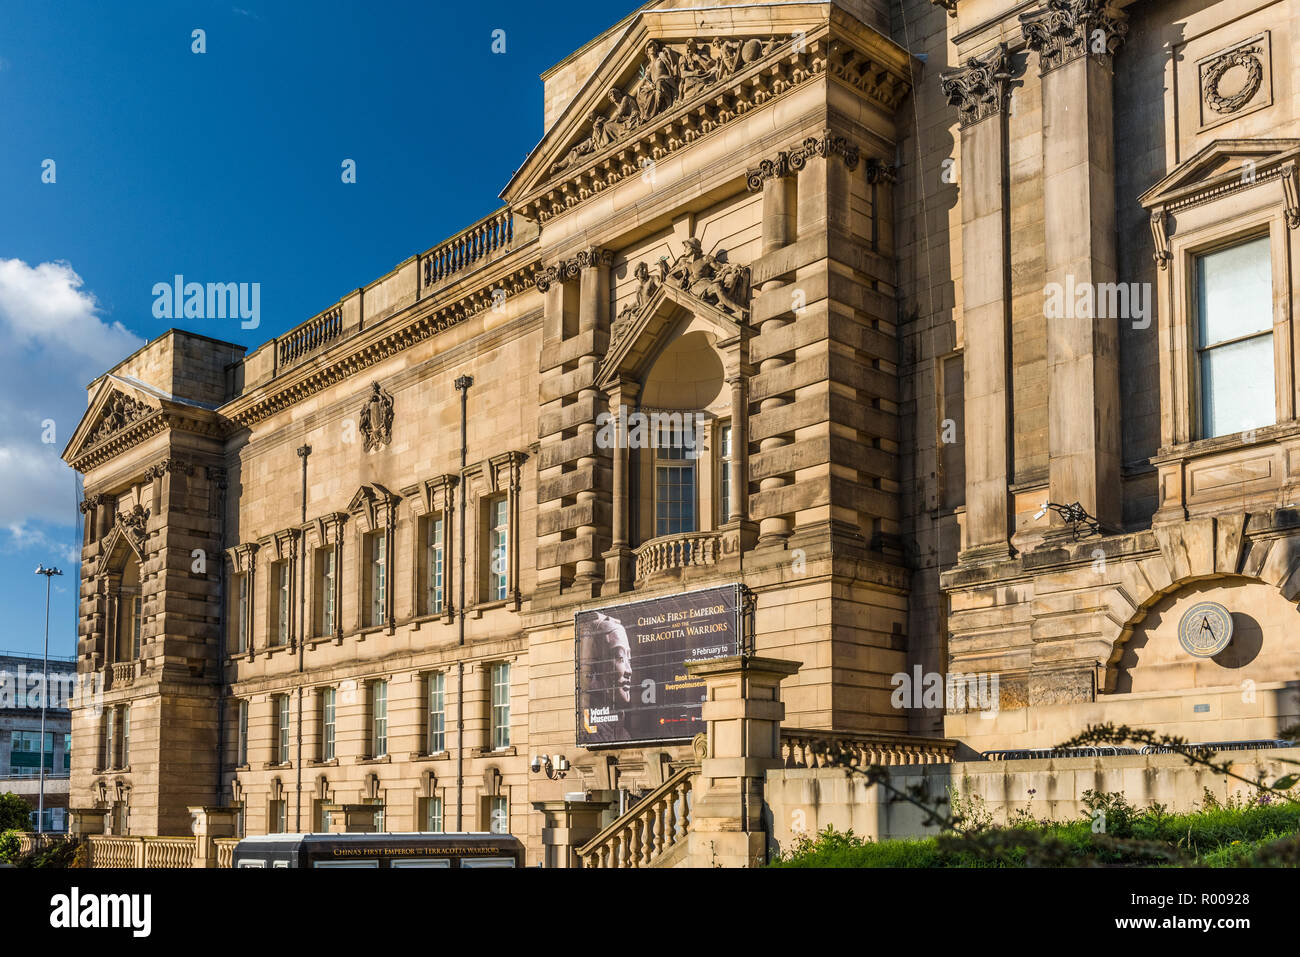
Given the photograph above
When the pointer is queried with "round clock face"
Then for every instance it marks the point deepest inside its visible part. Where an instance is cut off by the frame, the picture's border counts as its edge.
(1205, 630)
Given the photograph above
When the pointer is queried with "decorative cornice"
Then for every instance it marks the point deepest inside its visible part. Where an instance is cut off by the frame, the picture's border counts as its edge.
(979, 88)
(398, 340)
(1064, 30)
(91, 502)
(791, 161)
(571, 268)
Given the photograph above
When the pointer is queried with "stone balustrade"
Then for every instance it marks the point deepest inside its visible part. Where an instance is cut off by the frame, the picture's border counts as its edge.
(153, 852)
(310, 337)
(122, 674)
(651, 828)
(226, 851)
(477, 244)
(677, 551)
(802, 748)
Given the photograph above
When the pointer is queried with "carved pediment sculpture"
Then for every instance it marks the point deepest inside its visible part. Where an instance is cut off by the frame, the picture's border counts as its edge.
(377, 418)
(120, 411)
(135, 524)
(670, 75)
(707, 277)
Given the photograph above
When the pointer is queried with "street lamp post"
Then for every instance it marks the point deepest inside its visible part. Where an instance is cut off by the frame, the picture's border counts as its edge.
(45, 691)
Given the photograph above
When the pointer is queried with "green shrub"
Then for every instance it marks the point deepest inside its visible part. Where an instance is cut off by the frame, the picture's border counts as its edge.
(15, 813)
(9, 845)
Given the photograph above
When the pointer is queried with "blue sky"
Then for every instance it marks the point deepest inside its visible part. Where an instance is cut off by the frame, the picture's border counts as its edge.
(224, 166)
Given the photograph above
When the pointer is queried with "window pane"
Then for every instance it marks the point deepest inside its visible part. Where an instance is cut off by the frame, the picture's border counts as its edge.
(242, 613)
(1234, 292)
(498, 816)
(500, 554)
(327, 592)
(674, 499)
(437, 713)
(380, 705)
(434, 566)
(1237, 387)
(501, 705)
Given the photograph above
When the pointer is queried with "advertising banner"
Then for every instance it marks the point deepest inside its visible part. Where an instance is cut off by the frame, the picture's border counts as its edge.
(631, 662)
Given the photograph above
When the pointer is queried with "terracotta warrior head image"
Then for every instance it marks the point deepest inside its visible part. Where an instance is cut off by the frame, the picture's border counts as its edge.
(607, 654)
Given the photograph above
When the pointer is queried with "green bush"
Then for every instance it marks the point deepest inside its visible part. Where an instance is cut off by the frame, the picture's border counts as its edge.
(1242, 833)
(9, 845)
(15, 813)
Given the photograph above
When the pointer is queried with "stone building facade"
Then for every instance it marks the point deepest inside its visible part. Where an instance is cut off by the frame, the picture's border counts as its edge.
(344, 568)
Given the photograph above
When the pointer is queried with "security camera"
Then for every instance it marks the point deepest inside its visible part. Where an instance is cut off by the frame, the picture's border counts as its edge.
(1041, 512)
(537, 764)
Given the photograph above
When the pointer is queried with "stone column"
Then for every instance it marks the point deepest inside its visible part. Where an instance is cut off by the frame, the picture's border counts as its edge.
(211, 823)
(978, 90)
(593, 308)
(742, 713)
(779, 224)
(618, 560)
(567, 825)
(1074, 46)
(739, 509)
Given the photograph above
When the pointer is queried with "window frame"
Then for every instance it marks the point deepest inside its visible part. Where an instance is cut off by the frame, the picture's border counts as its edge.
(379, 718)
(241, 733)
(282, 728)
(499, 730)
(328, 723)
(435, 741)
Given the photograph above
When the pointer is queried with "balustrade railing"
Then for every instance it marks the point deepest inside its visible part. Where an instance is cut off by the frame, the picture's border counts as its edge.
(226, 851)
(313, 335)
(802, 748)
(156, 852)
(123, 673)
(650, 829)
(677, 551)
(484, 240)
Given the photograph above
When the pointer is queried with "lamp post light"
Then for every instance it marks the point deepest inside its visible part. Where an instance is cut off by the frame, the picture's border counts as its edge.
(45, 691)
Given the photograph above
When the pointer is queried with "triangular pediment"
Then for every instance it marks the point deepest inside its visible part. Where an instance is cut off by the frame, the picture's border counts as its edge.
(373, 505)
(643, 334)
(1223, 165)
(673, 76)
(118, 412)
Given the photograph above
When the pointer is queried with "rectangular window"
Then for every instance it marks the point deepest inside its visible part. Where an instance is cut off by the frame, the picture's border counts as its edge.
(437, 713)
(325, 582)
(379, 718)
(242, 758)
(1234, 303)
(379, 821)
(280, 632)
(498, 815)
(67, 752)
(327, 724)
(24, 756)
(125, 760)
(674, 483)
(277, 821)
(282, 729)
(501, 705)
(498, 548)
(323, 819)
(241, 615)
(137, 623)
(378, 554)
(433, 814)
(433, 564)
(724, 475)
(110, 737)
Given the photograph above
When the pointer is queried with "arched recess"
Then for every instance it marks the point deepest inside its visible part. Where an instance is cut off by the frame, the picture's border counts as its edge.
(1265, 646)
(121, 586)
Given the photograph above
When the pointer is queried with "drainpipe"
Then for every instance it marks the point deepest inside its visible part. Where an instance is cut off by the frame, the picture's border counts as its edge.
(222, 624)
(304, 450)
(462, 386)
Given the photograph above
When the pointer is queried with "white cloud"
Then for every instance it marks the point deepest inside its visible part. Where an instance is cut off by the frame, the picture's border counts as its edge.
(56, 343)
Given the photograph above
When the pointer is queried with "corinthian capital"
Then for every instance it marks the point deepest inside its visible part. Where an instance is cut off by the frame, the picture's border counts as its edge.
(1064, 30)
(979, 88)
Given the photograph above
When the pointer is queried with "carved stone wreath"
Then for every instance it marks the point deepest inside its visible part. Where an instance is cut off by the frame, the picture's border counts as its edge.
(1247, 57)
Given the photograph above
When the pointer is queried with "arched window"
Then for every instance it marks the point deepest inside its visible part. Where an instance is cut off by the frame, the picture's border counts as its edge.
(130, 612)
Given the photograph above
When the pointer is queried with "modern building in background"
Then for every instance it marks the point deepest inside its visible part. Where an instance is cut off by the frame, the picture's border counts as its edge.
(21, 751)
(891, 339)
